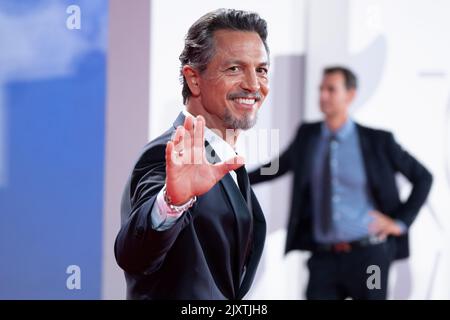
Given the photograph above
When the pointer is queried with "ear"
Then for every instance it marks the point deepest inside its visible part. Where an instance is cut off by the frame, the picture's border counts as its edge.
(192, 79)
(351, 95)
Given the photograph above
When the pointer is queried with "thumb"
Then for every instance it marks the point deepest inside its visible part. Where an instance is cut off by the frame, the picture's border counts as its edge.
(222, 168)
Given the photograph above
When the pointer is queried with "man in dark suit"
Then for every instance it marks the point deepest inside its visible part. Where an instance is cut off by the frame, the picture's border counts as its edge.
(345, 204)
(192, 227)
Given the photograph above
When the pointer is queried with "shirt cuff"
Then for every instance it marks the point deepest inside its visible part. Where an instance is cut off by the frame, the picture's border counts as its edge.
(162, 216)
(401, 225)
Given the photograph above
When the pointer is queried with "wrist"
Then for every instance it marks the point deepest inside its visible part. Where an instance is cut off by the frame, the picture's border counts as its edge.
(176, 196)
(178, 206)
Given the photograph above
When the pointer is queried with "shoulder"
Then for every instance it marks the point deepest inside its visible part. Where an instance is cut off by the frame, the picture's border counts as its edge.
(154, 151)
(309, 127)
(374, 133)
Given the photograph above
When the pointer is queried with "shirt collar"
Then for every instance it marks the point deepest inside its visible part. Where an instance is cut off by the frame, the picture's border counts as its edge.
(343, 132)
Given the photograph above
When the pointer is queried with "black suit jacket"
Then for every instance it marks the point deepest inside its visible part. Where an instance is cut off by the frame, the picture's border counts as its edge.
(383, 158)
(202, 256)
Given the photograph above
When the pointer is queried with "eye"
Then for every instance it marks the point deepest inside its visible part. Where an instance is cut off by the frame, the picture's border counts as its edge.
(234, 69)
(262, 71)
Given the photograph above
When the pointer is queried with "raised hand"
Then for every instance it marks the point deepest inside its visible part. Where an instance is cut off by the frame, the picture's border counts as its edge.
(188, 172)
(383, 225)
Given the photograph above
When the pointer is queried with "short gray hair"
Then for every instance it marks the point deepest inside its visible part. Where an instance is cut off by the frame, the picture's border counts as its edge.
(199, 46)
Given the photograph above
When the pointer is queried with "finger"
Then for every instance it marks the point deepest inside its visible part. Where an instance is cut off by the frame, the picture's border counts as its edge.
(382, 236)
(199, 141)
(375, 232)
(374, 213)
(176, 135)
(382, 229)
(238, 160)
(222, 168)
(374, 227)
(178, 139)
(185, 147)
(189, 125)
(376, 221)
(188, 121)
(170, 155)
(396, 230)
(199, 132)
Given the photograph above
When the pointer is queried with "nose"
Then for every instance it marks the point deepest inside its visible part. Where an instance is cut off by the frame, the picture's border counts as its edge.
(251, 82)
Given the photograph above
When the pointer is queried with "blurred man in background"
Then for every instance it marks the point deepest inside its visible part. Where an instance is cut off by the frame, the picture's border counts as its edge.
(345, 205)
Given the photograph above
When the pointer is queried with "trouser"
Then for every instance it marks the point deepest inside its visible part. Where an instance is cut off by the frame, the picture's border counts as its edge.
(361, 273)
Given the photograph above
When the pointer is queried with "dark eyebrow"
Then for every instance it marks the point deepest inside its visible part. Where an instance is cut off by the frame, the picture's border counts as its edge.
(264, 64)
(240, 62)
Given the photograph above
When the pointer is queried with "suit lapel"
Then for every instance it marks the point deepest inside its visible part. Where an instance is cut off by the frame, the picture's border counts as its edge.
(367, 155)
(240, 211)
(259, 235)
(310, 151)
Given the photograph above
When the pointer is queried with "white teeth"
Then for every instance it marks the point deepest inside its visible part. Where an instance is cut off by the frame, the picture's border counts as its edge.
(246, 101)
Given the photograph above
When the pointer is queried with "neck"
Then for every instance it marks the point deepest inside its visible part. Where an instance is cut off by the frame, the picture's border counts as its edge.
(336, 122)
(213, 122)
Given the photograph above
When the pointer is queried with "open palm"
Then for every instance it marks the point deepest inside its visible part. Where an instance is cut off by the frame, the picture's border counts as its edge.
(188, 172)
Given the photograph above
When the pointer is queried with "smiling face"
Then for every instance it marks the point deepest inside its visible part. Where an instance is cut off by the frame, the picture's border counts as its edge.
(234, 85)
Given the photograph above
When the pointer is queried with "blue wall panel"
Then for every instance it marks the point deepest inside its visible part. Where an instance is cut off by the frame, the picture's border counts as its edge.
(51, 202)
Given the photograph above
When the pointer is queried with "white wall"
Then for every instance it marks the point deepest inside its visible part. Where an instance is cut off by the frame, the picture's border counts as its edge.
(400, 51)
